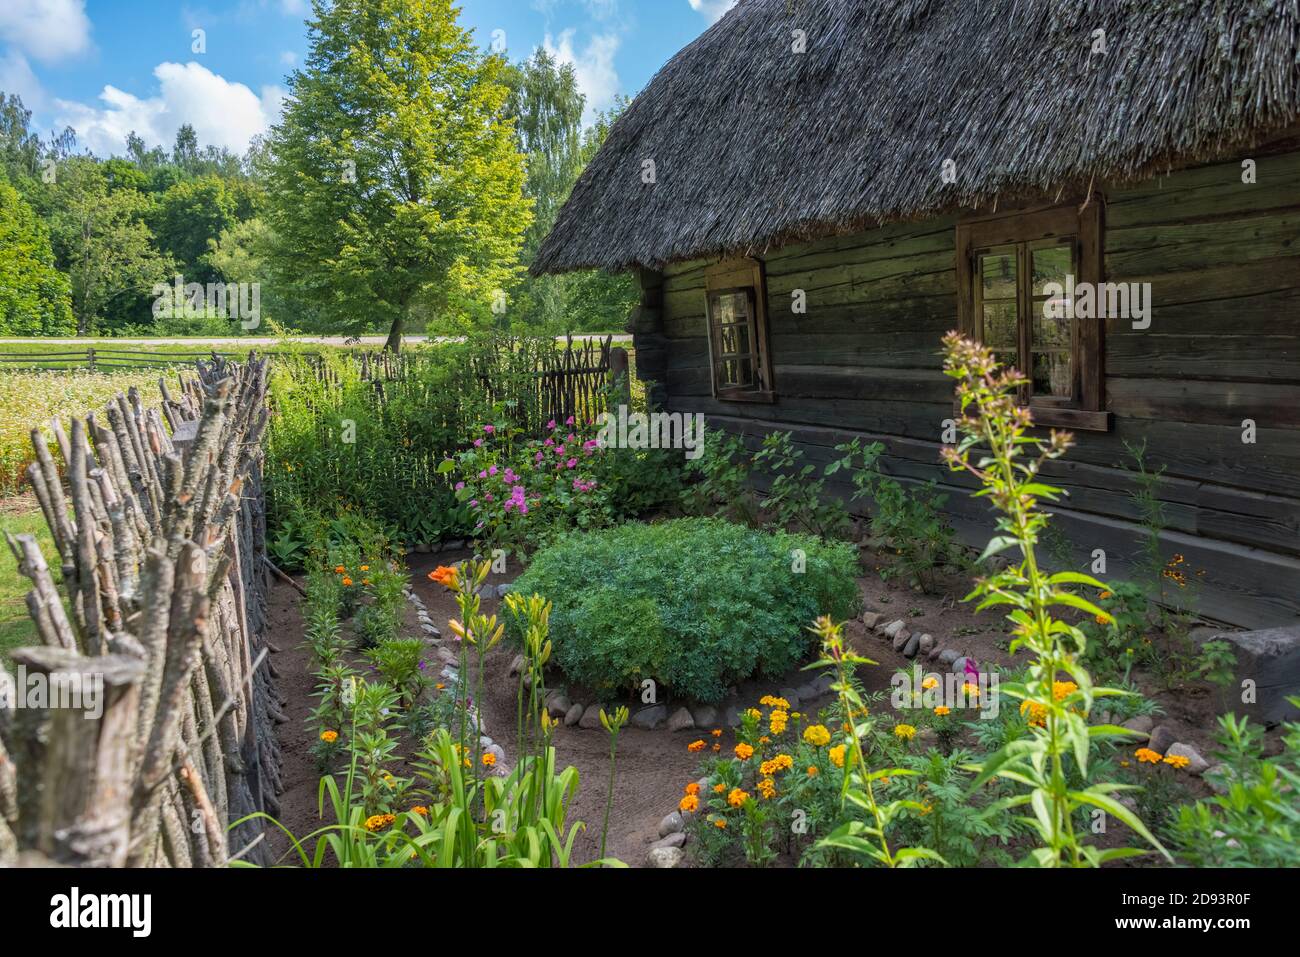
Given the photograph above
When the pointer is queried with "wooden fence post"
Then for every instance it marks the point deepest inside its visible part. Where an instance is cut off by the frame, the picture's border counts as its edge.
(619, 375)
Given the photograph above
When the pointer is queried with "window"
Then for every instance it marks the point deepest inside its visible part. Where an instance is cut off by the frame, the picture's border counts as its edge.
(1016, 274)
(738, 344)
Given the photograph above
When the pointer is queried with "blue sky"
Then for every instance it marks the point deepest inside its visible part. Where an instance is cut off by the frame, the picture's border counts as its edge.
(105, 67)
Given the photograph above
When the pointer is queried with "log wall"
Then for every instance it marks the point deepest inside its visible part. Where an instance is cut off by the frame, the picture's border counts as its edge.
(161, 540)
(1224, 346)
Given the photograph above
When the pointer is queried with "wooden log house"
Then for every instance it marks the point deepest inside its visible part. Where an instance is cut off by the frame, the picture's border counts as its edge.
(814, 192)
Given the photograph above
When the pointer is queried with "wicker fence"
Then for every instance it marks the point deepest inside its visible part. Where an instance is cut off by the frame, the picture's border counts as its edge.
(142, 727)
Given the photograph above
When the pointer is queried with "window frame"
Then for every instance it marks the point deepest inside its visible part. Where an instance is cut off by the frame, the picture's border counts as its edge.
(732, 277)
(1025, 229)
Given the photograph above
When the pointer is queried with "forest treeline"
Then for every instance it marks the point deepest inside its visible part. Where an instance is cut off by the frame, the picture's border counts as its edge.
(405, 187)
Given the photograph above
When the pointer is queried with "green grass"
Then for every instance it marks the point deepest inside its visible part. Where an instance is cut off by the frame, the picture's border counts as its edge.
(20, 516)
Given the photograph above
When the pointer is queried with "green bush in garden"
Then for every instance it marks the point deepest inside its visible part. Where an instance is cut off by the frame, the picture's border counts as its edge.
(695, 604)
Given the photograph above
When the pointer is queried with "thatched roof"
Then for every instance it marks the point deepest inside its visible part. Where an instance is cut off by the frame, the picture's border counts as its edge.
(755, 146)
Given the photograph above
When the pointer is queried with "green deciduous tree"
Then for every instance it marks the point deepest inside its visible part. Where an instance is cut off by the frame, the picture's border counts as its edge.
(186, 217)
(34, 296)
(101, 240)
(394, 176)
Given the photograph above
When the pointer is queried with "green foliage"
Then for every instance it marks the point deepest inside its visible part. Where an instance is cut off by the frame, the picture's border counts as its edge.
(695, 604)
(997, 450)
(393, 175)
(34, 295)
(186, 217)
(1256, 823)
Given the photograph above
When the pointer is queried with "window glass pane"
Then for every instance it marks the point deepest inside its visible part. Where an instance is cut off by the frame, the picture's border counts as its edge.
(1051, 374)
(1051, 264)
(734, 340)
(1049, 332)
(735, 373)
(1000, 331)
(998, 275)
(731, 307)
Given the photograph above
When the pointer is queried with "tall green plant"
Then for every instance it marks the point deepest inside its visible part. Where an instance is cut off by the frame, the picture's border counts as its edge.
(998, 450)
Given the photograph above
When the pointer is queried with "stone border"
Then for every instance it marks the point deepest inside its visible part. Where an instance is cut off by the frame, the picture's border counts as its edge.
(451, 673)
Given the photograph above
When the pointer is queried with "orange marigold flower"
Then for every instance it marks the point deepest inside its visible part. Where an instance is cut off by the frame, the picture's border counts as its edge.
(689, 803)
(717, 748)
(489, 759)
(1147, 756)
(813, 771)
(695, 746)
(1063, 689)
(737, 797)
(942, 710)
(377, 822)
(339, 569)
(692, 788)
(1178, 761)
(744, 751)
(716, 732)
(421, 810)
(720, 823)
(347, 582)
(365, 568)
(329, 737)
(719, 788)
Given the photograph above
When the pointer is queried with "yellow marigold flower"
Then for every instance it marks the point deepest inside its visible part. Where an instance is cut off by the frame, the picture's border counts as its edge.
(695, 746)
(837, 755)
(764, 740)
(1178, 761)
(772, 701)
(777, 721)
(489, 759)
(365, 568)
(754, 713)
(930, 682)
(737, 797)
(1100, 619)
(377, 822)
(1147, 756)
(942, 710)
(817, 735)
(329, 737)
(1034, 712)
(719, 788)
(720, 823)
(1063, 689)
(767, 788)
(689, 803)
(744, 751)
(716, 732)
(971, 690)
(904, 732)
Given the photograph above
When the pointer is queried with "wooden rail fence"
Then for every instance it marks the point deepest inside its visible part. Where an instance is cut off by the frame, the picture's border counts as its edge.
(161, 627)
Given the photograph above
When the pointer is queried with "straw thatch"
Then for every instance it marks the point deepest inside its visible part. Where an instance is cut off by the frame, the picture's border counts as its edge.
(756, 146)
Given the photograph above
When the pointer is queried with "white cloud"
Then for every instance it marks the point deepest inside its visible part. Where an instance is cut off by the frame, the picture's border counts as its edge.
(16, 76)
(294, 8)
(593, 67)
(711, 10)
(288, 57)
(46, 29)
(222, 113)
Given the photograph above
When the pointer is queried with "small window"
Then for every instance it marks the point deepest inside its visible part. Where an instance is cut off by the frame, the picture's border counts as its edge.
(738, 345)
(1016, 273)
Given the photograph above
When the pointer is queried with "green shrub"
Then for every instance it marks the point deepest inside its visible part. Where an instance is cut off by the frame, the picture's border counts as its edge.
(695, 604)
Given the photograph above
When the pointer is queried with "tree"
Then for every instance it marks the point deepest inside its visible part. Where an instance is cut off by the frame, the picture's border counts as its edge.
(34, 298)
(186, 217)
(394, 175)
(101, 241)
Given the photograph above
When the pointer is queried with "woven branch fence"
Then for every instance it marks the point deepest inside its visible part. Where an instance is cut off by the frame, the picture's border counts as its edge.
(160, 536)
